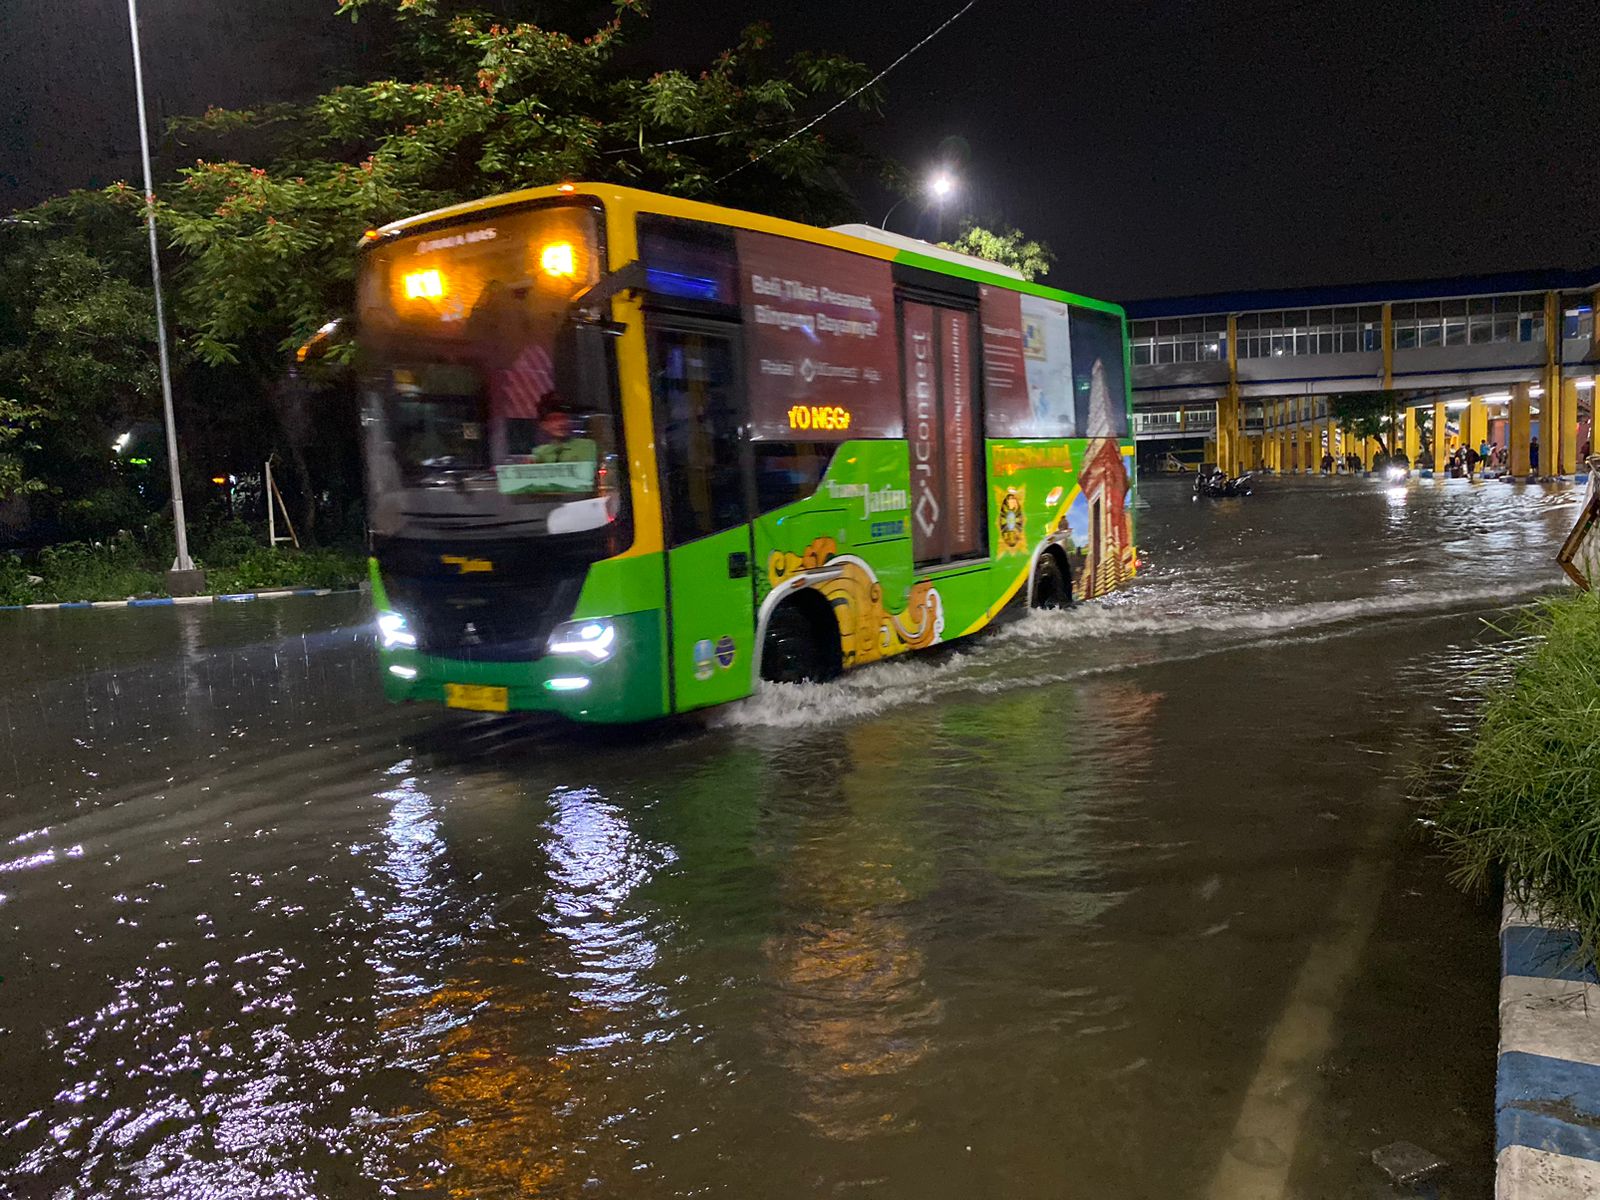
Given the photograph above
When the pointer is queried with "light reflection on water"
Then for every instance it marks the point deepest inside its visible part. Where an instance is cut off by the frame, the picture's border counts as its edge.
(272, 938)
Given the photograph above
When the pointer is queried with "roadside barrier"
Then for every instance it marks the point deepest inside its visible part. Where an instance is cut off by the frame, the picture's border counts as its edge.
(1547, 1088)
(169, 601)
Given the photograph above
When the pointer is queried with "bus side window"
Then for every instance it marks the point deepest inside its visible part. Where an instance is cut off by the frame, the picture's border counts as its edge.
(696, 393)
(789, 471)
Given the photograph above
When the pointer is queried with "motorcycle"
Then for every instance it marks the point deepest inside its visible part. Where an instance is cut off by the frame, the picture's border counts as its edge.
(1215, 483)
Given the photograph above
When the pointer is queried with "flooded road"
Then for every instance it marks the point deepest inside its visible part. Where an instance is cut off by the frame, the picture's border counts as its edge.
(1126, 901)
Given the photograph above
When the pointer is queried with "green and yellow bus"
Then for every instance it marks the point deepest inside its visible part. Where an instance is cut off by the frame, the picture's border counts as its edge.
(630, 455)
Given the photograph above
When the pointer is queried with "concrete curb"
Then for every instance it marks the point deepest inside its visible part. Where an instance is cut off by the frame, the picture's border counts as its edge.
(169, 601)
(1547, 1088)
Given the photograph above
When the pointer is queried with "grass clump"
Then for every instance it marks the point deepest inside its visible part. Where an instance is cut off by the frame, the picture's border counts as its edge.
(1528, 800)
(128, 566)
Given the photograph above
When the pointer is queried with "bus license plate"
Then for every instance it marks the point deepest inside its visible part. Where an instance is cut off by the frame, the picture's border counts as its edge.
(476, 696)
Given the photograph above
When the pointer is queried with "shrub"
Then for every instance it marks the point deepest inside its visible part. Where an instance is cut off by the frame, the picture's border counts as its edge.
(111, 570)
(264, 568)
(14, 585)
(1528, 800)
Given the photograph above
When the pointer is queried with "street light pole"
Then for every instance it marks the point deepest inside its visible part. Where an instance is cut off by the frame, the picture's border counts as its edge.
(183, 562)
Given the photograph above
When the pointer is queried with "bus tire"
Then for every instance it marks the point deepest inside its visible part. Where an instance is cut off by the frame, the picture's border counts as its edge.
(796, 649)
(1050, 587)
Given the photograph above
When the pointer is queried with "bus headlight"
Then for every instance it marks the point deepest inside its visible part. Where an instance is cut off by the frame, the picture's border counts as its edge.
(392, 631)
(597, 639)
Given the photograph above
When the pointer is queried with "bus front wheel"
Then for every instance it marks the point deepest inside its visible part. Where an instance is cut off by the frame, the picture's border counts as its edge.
(794, 651)
(1050, 583)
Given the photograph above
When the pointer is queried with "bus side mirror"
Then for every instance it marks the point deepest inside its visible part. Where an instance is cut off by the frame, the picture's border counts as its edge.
(583, 366)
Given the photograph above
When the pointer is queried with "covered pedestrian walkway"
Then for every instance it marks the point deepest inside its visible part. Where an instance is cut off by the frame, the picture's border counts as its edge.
(1504, 361)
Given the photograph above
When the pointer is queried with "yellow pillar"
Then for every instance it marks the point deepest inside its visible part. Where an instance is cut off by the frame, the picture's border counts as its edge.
(1413, 438)
(1521, 403)
(1388, 346)
(1440, 447)
(1568, 435)
(1552, 411)
(1228, 407)
(1477, 416)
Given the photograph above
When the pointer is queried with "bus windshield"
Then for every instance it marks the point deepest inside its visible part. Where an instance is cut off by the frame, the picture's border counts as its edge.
(481, 398)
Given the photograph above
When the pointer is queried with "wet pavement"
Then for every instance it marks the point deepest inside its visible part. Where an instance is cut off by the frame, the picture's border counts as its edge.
(1127, 901)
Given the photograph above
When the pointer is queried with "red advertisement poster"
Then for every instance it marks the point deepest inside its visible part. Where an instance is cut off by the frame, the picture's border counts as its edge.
(922, 434)
(1008, 411)
(960, 456)
(819, 331)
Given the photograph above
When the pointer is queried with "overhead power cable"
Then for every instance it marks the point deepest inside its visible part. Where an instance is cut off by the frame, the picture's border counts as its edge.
(705, 137)
(948, 21)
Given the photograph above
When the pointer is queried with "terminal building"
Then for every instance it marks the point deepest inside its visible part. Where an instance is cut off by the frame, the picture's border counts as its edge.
(1244, 379)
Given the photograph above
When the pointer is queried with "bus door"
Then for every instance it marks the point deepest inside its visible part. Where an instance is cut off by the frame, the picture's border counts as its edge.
(696, 371)
(949, 519)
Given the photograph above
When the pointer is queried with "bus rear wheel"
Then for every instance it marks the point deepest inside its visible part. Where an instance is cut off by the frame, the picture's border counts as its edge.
(1049, 583)
(793, 650)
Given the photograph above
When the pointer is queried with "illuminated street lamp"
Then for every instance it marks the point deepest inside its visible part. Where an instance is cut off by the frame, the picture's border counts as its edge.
(183, 563)
(939, 188)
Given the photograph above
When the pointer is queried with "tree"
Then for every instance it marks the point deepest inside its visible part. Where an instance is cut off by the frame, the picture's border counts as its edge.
(77, 354)
(1368, 415)
(1008, 247)
(1423, 416)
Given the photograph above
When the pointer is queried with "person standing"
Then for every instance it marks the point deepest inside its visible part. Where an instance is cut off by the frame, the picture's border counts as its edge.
(1533, 456)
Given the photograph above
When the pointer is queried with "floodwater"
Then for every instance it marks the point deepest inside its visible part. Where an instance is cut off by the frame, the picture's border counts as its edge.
(1126, 901)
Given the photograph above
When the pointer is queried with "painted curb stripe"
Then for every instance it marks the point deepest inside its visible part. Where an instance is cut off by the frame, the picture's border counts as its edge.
(1549, 1104)
(1547, 1083)
(1543, 954)
(1529, 1174)
(163, 601)
(1554, 1018)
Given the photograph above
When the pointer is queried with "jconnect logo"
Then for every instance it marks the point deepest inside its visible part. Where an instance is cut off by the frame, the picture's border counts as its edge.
(466, 566)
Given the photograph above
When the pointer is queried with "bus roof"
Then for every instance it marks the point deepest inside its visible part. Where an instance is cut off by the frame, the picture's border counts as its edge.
(874, 243)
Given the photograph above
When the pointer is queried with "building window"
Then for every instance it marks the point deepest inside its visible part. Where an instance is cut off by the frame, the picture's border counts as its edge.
(1577, 317)
(1299, 332)
(1179, 340)
(1480, 321)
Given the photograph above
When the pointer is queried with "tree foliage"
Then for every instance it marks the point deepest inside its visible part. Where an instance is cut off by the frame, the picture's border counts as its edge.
(1365, 414)
(1009, 247)
(77, 343)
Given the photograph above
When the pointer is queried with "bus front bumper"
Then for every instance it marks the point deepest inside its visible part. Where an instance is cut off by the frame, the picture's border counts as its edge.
(626, 686)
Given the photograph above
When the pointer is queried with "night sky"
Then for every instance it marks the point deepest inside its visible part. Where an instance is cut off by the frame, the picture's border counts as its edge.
(1161, 149)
